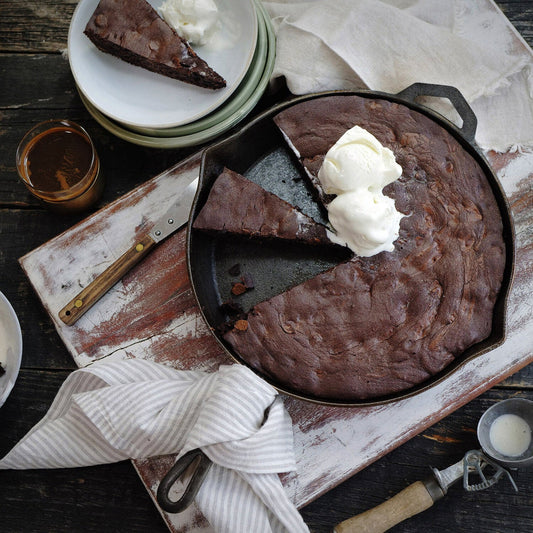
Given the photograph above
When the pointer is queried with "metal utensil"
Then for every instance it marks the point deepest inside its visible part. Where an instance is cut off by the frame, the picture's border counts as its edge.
(173, 219)
(200, 463)
(479, 470)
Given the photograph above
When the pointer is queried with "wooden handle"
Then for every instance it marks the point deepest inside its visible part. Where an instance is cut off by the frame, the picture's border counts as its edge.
(410, 501)
(98, 287)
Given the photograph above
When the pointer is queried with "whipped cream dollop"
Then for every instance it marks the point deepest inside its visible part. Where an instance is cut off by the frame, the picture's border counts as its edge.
(194, 20)
(356, 169)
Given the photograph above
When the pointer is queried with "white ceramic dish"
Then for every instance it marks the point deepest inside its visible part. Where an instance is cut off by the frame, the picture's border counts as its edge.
(10, 347)
(137, 97)
(212, 130)
(246, 88)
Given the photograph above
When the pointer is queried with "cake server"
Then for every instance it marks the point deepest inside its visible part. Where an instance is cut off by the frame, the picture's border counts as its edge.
(176, 216)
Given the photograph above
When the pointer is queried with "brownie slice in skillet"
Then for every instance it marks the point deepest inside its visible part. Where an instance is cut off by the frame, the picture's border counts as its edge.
(240, 206)
(133, 31)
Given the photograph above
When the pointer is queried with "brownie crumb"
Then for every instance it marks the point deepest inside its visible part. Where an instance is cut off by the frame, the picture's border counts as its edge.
(238, 288)
(241, 325)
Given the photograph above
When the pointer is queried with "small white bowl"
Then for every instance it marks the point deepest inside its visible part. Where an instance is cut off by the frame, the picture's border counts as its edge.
(10, 347)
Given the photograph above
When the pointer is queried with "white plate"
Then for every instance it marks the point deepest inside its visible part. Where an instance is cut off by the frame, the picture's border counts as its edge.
(10, 347)
(211, 130)
(240, 96)
(138, 97)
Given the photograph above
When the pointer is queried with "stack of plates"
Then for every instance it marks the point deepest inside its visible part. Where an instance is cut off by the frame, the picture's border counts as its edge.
(151, 110)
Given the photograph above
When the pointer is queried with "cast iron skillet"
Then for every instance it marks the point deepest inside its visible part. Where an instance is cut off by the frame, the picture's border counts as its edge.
(259, 152)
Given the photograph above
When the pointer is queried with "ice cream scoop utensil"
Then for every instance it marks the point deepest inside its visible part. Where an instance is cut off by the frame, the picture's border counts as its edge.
(479, 469)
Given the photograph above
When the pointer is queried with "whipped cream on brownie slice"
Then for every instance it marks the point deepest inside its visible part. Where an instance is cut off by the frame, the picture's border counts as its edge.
(133, 31)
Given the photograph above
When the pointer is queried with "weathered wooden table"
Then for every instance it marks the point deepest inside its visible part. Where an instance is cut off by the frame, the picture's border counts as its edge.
(36, 84)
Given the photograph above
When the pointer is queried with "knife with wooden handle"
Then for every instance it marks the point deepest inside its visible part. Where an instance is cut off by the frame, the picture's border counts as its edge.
(173, 219)
(414, 499)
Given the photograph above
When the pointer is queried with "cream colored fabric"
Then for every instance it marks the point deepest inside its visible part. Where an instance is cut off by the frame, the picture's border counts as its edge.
(387, 45)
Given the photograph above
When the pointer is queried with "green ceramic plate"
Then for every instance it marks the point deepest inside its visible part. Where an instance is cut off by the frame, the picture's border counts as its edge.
(241, 95)
(119, 90)
(214, 124)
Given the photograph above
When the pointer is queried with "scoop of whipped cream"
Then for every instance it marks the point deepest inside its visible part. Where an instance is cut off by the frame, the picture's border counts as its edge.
(194, 20)
(356, 169)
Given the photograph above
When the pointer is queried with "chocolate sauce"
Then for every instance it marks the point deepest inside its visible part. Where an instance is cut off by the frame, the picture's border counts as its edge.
(57, 159)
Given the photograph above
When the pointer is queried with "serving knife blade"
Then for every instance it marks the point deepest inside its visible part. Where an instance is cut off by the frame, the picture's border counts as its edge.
(176, 216)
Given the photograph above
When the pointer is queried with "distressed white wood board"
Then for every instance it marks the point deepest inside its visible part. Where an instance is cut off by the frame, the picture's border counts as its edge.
(151, 314)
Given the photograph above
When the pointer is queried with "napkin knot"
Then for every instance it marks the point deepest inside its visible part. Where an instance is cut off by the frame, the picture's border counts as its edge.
(137, 409)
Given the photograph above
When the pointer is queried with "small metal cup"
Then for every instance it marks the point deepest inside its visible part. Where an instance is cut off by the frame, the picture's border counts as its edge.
(515, 406)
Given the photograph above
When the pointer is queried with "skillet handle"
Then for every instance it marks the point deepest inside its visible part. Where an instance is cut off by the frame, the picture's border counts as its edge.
(203, 464)
(468, 129)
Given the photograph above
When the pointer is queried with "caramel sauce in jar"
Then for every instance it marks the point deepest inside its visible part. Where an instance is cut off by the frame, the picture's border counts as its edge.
(58, 163)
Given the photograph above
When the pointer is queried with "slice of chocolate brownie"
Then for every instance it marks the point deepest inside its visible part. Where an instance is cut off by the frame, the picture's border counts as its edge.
(240, 206)
(133, 31)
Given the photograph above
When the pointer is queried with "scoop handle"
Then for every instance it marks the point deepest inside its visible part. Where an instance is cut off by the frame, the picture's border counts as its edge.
(469, 126)
(410, 501)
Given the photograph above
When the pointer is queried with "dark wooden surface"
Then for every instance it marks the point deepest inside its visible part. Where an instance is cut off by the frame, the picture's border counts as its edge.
(36, 84)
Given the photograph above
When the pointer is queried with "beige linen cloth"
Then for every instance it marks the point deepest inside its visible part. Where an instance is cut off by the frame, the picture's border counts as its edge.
(386, 45)
(134, 409)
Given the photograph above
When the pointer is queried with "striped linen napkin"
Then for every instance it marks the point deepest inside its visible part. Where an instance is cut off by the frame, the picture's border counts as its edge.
(136, 409)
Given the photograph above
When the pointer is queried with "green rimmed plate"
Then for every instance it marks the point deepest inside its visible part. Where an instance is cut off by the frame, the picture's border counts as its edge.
(137, 97)
(238, 99)
(211, 131)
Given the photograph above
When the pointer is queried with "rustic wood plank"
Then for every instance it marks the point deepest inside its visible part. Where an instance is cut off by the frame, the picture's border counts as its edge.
(35, 26)
(522, 380)
(51, 86)
(111, 497)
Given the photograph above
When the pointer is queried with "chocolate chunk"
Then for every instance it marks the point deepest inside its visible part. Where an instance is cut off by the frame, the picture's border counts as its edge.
(238, 288)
